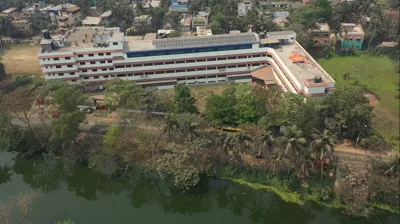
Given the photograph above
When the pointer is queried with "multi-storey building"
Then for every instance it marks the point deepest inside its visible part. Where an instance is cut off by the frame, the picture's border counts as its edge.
(87, 56)
(352, 35)
(321, 34)
(65, 15)
(244, 7)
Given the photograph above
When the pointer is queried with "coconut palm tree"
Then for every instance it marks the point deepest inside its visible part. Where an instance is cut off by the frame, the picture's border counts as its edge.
(223, 142)
(241, 142)
(323, 145)
(278, 157)
(304, 163)
(263, 143)
(294, 140)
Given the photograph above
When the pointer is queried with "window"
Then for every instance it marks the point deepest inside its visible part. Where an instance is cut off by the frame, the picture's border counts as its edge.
(232, 66)
(120, 66)
(94, 70)
(315, 41)
(159, 63)
(92, 62)
(91, 55)
(69, 66)
(109, 61)
(104, 69)
(241, 66)
(201, 60)
(211, 59)
(191, 70)
(180, 70)
(85, 77)
(258, 64)
(326, 35)
(74, 80)
(80, 55)
(149, 73)
(169, 63)
(242, 57)
(60, 74)
(115, 43)
(148, 64)
(101, 54)
(106, 76)
(72, 73)
(232, 58)
(221, 67)
(170, 71)
(108, 53)
(82, 63)
(128, 66)
(84, 70)
(121, 75)
(102, 62)
(56, 59)
(160, 72)
(211, 68)
(179, 62)
(96, 77)
(58, 66)
(67, 58)
(189, 61)
(201, 69)
(111, 69)
(130, 74)
(221, 59)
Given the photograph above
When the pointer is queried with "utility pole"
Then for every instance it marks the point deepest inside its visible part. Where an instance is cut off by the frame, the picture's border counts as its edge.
(358, 138)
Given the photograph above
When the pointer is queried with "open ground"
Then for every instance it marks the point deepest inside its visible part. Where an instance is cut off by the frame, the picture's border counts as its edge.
(379, 76)
(21, 59)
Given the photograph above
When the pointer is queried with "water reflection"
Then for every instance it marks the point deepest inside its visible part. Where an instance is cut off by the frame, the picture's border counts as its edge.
(143, 193)
(5, 174)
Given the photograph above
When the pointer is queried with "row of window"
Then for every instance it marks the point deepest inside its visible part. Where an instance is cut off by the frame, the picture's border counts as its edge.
(192, 61)
(182, 79)
(79, 56)
(58, 66)
(61, 74)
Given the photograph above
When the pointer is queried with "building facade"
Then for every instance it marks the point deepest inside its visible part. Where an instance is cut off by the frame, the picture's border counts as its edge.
(162, 63)
(321, 35)
(352, 35)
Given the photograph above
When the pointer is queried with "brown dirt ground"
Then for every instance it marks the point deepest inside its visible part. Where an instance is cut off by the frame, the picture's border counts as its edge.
(21, 59)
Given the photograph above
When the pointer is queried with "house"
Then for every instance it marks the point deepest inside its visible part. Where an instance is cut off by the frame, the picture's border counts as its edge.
(65, 15)
(179, 5)
(185, 25)
(244, 7)
(91, 21)
(284, 15)
(36, 8)
(280, 21)
(202, 31)
(142, 23)
(199, 21)
(321, 34)
(352, 35)
(286, 4)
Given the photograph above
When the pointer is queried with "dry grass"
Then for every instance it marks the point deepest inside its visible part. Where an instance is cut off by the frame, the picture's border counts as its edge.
(21, 59)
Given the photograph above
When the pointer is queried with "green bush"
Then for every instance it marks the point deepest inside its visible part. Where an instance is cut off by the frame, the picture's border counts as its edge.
(321, 192)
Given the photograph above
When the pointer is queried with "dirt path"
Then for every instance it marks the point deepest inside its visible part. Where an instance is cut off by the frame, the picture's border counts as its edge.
(21, 59)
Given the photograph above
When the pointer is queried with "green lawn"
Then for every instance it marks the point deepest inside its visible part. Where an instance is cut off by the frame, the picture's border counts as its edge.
(377, 74)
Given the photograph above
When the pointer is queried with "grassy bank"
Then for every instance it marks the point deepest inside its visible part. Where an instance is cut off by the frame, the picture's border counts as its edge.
(290, 191)
(377, 74)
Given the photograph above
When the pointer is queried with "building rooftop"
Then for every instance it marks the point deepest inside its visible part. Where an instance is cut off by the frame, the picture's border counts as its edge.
(91, 21)
(10, 10)
(280, 33)
(59, 7)
(303, 72)
(191, 42)
(352, 28)
(87, 37)
(322, 27)
(106, 14)
(150, 36)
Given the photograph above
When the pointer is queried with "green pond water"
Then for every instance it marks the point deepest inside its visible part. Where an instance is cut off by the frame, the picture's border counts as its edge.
(84, 196)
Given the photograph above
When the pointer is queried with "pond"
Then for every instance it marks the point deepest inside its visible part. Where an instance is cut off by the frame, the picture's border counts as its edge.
(84, 196)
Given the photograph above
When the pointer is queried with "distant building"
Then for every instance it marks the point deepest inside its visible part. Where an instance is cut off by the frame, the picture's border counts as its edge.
(287, 4)
(244, 7)
(388, 44)
(185, 25)
(34, 9)
(199, 21)
(91, 21)
(352, 35)
(283, 15)
(65, 15)
(202, 31)
(179, 5)
(142, 23)
(280, 21)
(321, 34)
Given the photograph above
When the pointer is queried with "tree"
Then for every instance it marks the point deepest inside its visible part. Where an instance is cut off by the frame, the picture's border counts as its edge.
(65, 129)
(157, 17)
(264, 143)
(184, 101)
(241, 143)
(2, 71)
(322, 146)
(5, 26)
(68, 98)
(351, 110)
(220, 109)
(174, 19)
(249, 109)
(304, 163)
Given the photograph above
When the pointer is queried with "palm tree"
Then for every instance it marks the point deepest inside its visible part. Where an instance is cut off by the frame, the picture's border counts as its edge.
(264, 143)
(294, 140)
(393, 167)
(323, 145)
(304, 163)
(278, 160)
(241, 143)
(223, 142)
